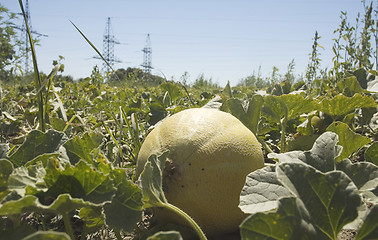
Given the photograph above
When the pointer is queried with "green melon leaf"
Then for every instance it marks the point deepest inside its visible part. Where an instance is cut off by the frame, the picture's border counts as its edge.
(274, 108)
(47, 235)
(236, 107)
(151, 181)
(19, 206)
(37, 143)
(341, 105)
(227, 90)
(6, 169)
(63, 204)
(369, 229)
(43, 158)
(17, 232)
(297, 104)
(93, 218)
(23, 177)
(120, 216)
(81, 147)
(80, 181)
(371, 154)
(172, 88)
(321, 156)
(4, 149)
(261, 191)
(125, 209)
(247, 112)
(362, 77)
(289, 221)
(363, 174)
(331, 198)
(349, 86)
(349, 140)
(157, 113)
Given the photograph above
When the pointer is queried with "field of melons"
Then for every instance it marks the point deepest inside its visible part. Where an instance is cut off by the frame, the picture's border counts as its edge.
(76, 178)
(157, 159)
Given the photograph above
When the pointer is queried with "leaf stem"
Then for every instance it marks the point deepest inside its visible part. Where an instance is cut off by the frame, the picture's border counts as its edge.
(264, 145)
(118, 234)
(190, 220)
(283, 135)
(67, 225)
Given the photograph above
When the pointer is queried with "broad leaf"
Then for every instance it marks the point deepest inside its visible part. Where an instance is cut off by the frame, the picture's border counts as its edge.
(369, 229)
(302, 142)
(362, 77)
(37, 143)
(81, 181)
(297, 104)
(363, 174)
(125, 209)
(247, 112)
(43, 158)
(274, 108)
(151, 181)
(24, 177)
(63, 205)
(28, 203)
(227, 90)
(349, 140)
(82, 147)
(172, 88)
(4, 149)
(157, 113)
(254, 111)
(236, 107)
(17, 232)
(93, 218)
(341, 105)
(289, 221)
(48, 235)
(321, 156)
(331, 198)
(120, 216)
(261, 191)
(6, 169)
(371, 154)
(349, 86)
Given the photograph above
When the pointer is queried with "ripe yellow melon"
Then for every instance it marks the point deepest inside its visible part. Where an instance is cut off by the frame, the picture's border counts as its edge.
(210, 154)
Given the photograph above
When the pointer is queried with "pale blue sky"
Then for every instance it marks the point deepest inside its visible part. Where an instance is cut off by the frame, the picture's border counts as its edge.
(223, 39)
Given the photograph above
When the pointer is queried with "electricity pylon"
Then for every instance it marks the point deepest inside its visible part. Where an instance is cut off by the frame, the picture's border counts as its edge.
(108, 47)
(147, 52)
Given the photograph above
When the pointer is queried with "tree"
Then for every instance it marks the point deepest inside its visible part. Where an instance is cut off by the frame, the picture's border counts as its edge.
(8, 42)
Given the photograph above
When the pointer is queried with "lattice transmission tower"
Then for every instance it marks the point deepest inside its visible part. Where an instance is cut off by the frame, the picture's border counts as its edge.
(24, 35)
(108, 42)
(147, 56)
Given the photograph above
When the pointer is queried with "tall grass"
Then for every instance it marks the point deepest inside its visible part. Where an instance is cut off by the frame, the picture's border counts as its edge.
(97, 51)
(37, 77)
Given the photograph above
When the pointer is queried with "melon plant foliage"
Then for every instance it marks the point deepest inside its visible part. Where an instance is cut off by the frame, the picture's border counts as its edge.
(77, 178)
(310, 195)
